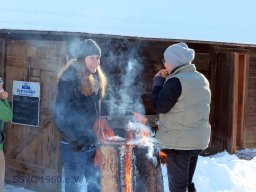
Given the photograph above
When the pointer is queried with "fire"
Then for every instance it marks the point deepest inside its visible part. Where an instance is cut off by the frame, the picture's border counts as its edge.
(102, 131)
(128, 162)
(138, 132)
(141, 132)
(163, 157)
(128, 169)
(140, 118)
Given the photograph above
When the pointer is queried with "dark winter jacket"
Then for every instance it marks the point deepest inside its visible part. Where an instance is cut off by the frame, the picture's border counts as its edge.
(165, 99)
(74, 113)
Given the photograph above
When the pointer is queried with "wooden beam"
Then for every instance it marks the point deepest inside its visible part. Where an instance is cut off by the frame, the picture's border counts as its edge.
(242, 97)
(2, 58)
(234, 104)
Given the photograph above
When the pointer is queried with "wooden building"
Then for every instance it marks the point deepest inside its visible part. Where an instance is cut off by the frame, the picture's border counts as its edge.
(33, 153)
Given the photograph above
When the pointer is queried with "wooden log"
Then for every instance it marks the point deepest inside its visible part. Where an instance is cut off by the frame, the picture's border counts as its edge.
(109, 168)
(148, 171)
(144, 174)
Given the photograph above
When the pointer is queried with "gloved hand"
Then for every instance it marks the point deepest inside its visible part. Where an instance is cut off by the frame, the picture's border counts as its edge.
(85, 142)
(76, 146)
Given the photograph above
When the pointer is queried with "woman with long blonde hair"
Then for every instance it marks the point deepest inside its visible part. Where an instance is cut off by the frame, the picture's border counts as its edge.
(81, 86)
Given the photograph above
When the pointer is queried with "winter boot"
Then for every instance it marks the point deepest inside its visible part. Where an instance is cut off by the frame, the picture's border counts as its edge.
(191, 188)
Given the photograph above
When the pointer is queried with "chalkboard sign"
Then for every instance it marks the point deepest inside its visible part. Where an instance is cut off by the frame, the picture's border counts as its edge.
(26, 103)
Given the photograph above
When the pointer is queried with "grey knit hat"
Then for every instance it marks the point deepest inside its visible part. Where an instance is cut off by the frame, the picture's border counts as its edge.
(86, 48)
(179, 54)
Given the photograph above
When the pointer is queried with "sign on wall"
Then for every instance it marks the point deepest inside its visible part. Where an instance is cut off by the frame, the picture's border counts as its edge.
(26, 103)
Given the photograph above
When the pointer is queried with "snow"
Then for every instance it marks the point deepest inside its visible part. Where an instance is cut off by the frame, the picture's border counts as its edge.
(222, 21)
(218, 173)
(224, 173)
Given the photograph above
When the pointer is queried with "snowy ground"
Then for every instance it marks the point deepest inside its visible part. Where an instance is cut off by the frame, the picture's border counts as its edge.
(219, 173)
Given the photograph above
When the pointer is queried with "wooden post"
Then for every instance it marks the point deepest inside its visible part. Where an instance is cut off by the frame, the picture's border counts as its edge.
(148, 172)
(109, 165)
(146, 175)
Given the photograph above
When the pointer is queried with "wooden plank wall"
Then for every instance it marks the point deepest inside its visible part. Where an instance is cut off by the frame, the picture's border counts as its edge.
(34, 151)
(149, 52)
(151, 56)
(2, 57)
(250, 120)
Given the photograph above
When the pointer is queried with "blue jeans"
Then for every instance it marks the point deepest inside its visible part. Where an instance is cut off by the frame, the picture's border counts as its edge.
(76, 166)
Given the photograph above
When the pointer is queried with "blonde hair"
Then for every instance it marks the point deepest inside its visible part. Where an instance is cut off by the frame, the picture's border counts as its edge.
(86, 78)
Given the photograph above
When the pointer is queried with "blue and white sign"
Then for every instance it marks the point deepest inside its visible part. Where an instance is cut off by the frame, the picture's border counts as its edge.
(26, 103)
(23, 88)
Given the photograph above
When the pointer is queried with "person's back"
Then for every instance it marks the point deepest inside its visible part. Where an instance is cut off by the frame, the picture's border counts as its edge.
(182, 100)
(187, 121)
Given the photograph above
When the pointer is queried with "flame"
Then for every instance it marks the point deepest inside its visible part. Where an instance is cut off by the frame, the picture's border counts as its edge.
(129, 134)
(163, 157)
(140, 118)
(128, 169)
(102, 130)
(142, 132)
(127, 162)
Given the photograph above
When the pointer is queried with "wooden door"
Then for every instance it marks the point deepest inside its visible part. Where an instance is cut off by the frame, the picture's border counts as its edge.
(229, 101)
(33, 153)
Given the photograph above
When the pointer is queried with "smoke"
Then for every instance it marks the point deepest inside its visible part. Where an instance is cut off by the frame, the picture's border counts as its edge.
(149, 142)
(125, 83)
(128, 97)
(125, 88)
(72, 47)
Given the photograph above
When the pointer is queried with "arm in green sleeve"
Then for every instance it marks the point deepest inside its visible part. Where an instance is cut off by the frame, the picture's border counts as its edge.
(5, 111)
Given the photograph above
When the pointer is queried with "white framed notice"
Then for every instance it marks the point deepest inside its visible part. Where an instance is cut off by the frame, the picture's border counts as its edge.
(26, 103)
